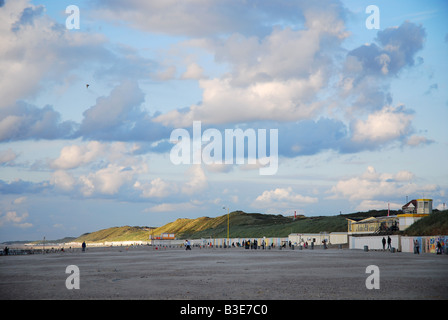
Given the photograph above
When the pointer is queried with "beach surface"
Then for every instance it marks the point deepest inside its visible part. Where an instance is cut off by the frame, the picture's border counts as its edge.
(141, 272)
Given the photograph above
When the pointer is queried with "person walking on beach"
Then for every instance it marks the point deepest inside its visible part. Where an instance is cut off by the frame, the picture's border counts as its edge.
(416, 247)
(439, 247)
(384, 243)
(389, 241)
(83, 246)
(187, 245)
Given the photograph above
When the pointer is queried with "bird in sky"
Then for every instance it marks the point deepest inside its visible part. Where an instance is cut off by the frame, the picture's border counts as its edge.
(87, 86)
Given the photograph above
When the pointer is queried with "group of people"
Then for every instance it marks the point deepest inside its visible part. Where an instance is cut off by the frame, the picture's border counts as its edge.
(439, 248)
(389, 242)
(83, 246)
(247, 244)
(253, 244)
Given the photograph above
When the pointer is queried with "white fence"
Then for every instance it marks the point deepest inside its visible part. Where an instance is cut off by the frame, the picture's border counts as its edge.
(426, 244)
(400, 243)
(223, 242)
(374, 242)
(317, 238)
(204, 242)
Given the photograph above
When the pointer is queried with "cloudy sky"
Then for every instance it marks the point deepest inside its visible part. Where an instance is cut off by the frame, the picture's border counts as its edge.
(361, 113)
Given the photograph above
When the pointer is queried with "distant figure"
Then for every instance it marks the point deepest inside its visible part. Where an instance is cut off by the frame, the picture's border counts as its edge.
(6, 251)
(439, 247)
(384, 243)
(87, 86)
(389, 241)
(187, 245)
(416, 247)
(83, 246)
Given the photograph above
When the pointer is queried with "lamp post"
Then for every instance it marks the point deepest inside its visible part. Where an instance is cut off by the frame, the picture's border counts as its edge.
(228, 224)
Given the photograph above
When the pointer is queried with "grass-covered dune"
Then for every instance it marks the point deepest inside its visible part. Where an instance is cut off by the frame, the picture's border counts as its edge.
(244, 224)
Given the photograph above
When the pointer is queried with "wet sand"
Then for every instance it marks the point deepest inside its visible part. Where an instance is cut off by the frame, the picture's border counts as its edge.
(224, 274)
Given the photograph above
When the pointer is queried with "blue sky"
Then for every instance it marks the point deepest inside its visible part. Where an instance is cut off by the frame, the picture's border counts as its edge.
(361, 113)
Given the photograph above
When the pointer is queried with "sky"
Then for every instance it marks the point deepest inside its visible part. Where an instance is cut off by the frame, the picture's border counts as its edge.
(359, 101)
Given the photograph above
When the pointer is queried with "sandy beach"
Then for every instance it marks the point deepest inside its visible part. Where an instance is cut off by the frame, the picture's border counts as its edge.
(141, 272)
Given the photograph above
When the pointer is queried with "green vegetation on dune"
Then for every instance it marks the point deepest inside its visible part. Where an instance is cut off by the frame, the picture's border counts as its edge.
(434, 224)
(258, 225)
(241, 225)
(181, 226)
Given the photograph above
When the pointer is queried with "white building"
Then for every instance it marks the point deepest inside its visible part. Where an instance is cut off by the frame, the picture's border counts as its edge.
(317, 238)
(414, 210)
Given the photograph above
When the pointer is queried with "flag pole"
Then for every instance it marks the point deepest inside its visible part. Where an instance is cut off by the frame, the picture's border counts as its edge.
(228, 226)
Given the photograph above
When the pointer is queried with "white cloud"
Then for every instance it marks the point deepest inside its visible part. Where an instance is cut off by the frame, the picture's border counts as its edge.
(367, 205)
(282, 198)
(99, 168)
(107, 180)
(276, 77)
(272, 100)
(415, 141)
(77, 155)
(382, 126)
(36, 52)
(12, 217)
(21, 121)
(182, 18)
(63, 180)
(169, 207)
(157, 188)
(194, 71)
(372, 185)
(81, 155)
(87, 186)
(114, 111)
(196, 180)
(35, 48)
